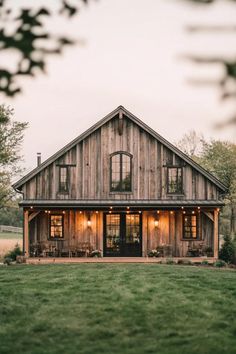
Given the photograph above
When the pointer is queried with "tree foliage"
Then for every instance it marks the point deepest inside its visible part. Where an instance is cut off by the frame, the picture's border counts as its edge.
(228, 251)
(30, 39)
(11, 138)
(219, 158)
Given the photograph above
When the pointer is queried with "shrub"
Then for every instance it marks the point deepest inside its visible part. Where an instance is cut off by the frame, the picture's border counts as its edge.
(205, 262)
(227, 251)
(220, 263)
(153, 253)
(170, 261)
(95, 253)
(7, 260)
(14, 253)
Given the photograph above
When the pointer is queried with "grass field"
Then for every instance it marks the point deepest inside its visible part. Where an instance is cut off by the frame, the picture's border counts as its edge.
(8, 241)
(117, 308)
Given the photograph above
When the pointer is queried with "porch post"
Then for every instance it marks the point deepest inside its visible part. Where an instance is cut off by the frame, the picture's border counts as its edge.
(26, 233)
(216, 233)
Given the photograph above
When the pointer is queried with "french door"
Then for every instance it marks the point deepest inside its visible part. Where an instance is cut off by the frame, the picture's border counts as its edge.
(122, 235)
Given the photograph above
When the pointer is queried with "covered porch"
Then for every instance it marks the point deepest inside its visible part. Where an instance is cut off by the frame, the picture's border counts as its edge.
(83, 230)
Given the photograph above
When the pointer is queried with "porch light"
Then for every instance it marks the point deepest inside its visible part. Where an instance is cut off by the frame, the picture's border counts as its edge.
(182, 208)
(96, 212)
(89, 222)
(158, 211)
(172, 212)
(128, 208)
(46, 211)
(63, 212)
(156, 223)
(31, 207)
(140, 212)
(109, 211)
(198, 208)
(218, 209)
(184, 212)
(80, 212)
(111, 208)
(49, 212)
(193, 212)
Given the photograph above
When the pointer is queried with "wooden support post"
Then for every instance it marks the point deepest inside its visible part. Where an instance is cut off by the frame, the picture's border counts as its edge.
(216, 233)
(26, 233)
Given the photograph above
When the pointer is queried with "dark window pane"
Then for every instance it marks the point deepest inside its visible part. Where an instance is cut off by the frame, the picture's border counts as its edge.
(63, 179)
(121, 172)
(175, 180)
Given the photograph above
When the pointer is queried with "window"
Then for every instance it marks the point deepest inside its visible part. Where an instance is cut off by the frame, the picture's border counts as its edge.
(56, 226)
(63, 179)
(121, 172)
(174, 184)
(190, 227)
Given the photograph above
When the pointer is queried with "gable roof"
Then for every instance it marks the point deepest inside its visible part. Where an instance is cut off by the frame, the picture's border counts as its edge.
(141, 124)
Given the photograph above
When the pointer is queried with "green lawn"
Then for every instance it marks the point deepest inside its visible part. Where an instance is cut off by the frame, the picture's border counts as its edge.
(117, 308)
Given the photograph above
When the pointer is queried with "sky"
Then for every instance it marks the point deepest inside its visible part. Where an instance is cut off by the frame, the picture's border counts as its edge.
(130, 53)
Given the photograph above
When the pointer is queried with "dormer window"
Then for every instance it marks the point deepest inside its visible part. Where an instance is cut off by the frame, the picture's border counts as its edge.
(63, 179)
(120, 167)
(175, 180)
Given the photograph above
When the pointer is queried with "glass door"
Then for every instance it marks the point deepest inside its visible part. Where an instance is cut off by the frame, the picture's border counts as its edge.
(112, 235)
(122, 235)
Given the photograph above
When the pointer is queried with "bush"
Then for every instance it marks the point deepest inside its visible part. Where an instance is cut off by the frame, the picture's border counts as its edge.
(205, 262)
(220, 263)
(7, 260)
(227, 251)
(153, 253)
(170, 261)
(14, 253)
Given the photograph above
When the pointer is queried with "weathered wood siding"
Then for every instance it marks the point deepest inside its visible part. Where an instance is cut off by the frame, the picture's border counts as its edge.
(89, 170)
(168, 232)
(76, 230)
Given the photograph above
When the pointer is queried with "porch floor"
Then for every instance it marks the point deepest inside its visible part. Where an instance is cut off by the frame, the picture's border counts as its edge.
(51, 260)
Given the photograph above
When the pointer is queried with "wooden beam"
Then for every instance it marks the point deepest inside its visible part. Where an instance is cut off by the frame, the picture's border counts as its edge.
(26, 233)
(120, 126)
(33, 215)
(209, 215)
(216, 233)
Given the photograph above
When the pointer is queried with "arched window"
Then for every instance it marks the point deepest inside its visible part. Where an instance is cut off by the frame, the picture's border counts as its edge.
(120, 167)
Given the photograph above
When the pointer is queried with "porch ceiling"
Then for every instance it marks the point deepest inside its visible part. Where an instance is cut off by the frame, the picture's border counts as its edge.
(92, 203)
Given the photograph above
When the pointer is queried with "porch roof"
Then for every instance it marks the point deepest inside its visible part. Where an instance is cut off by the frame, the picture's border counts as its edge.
(136, 203)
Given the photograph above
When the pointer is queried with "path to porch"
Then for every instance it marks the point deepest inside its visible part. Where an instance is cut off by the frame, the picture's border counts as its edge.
(48, 260)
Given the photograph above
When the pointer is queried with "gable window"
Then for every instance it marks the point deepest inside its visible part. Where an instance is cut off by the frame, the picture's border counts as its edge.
(174, 183)
(190, 226)
(120, 169)
(56, 226)
(63, 179)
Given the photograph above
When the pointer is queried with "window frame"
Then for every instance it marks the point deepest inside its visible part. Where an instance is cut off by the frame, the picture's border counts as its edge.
(62, 190)
(197, 238)
(120, 153)
(179, 192)
(50, 225)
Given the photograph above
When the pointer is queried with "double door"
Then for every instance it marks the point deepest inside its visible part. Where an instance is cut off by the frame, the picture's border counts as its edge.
(122, 235)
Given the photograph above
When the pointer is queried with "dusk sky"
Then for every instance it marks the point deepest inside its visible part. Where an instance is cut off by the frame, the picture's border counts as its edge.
(132, 55)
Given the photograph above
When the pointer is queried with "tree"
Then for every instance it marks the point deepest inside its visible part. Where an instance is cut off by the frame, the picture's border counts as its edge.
(26, 35)
(219, 157)
(191, 144)
(11, 138)
(227, 252)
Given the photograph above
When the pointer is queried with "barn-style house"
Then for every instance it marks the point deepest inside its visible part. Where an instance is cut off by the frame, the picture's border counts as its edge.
(120, 190)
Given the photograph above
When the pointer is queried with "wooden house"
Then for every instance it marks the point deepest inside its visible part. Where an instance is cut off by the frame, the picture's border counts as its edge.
(122, 190)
